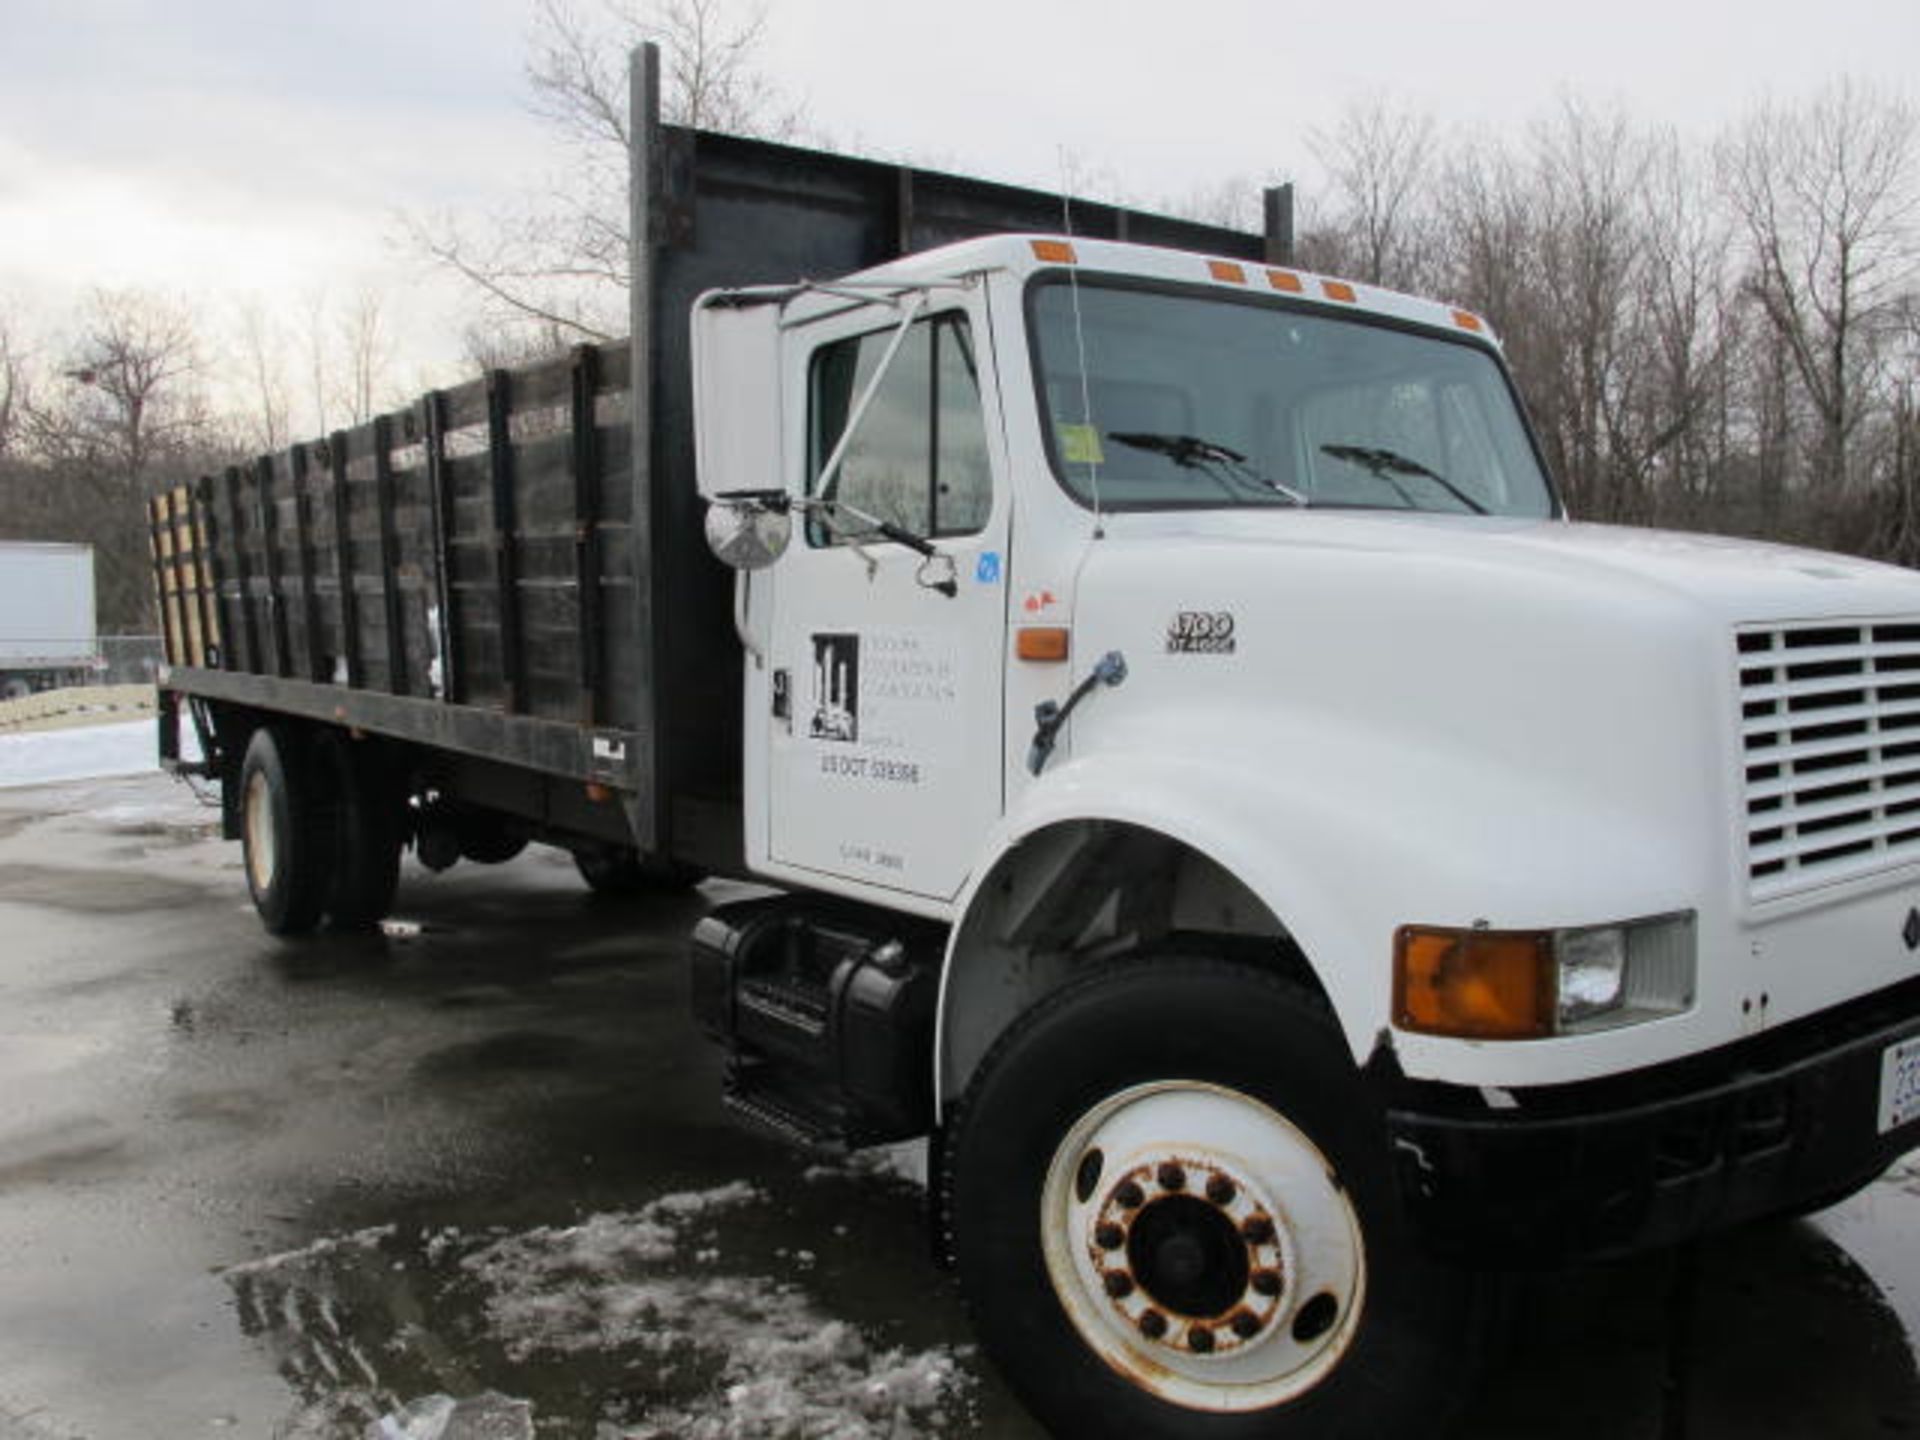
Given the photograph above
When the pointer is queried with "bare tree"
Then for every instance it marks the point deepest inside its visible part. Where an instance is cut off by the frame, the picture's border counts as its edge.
(136, 382)
(1826, 193)
(367, 350)
(13, 387)
(560, 259)
(126, 405)
(262, 350)
(1378, 160)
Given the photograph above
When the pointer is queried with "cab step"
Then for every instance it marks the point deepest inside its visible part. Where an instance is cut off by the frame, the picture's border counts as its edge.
(826, 1012)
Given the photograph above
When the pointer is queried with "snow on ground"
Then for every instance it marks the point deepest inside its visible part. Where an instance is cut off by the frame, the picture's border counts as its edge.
(700, 1346)
(86, 752)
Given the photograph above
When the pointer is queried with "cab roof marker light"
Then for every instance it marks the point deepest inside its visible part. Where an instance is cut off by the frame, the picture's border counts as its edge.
(1338, 290)
(1228, 271)
(1467, 320)
(1285, 280)
(1055, 252)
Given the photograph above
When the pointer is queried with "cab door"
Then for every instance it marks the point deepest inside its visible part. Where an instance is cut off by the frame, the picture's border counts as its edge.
(885, 698)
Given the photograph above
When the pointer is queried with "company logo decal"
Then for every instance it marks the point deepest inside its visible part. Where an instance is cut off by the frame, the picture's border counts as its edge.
(1201, 632)
(836, 688)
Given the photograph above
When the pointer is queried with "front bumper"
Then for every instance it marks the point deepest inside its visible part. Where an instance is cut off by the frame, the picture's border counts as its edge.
(1769, 1126)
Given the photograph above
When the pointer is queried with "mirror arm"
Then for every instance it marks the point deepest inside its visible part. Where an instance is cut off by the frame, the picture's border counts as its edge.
(743, 619)
(832, 467)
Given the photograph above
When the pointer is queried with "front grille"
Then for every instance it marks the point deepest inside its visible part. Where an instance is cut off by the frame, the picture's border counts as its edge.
(1830, 722)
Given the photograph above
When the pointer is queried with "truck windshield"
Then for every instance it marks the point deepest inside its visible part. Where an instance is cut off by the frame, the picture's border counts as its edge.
(1316, 410)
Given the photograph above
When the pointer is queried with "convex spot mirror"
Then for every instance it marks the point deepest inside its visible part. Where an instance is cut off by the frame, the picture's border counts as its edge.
(749, 530)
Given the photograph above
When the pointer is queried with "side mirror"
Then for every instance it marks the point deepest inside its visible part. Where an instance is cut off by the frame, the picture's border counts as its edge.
(749, 530)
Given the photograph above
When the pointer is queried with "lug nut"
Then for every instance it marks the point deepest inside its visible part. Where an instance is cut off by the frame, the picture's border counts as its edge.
(1245, 1324)
(1221, 1190)
(1153, 1324)
(1257, 1229)
(1265, 1282)
(1200, 1340)
(1129, 1196)
(1171, 1177)
(1119, 1284)
(1109, 1236)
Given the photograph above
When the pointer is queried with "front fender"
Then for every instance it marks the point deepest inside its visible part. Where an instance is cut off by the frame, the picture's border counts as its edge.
(1344, 851)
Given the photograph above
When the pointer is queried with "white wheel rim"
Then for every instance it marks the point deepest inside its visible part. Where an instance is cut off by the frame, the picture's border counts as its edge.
(258, 819)
(1248, 1228)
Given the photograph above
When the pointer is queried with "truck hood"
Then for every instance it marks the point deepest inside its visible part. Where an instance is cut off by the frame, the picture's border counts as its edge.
(1573, 690)
(1735, 580)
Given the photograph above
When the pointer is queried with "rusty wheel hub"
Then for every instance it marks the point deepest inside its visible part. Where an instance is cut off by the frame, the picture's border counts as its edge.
(1185, 1240)
(1202, 1246)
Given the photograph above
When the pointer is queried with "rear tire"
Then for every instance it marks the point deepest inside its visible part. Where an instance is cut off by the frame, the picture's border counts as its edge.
(289, 820)
(366, 869)
(1170, 1203)
(621, 874)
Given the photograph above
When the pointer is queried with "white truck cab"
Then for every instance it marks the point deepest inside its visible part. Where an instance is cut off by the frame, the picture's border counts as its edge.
(1346, 874)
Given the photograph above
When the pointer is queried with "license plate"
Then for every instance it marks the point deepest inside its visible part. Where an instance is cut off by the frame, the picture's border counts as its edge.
(1900, 1084)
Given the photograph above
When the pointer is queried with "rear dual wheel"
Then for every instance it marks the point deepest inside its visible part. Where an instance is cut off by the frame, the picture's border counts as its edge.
(1172, 1213)
(289, 829)
(320, 829)
(620, 873)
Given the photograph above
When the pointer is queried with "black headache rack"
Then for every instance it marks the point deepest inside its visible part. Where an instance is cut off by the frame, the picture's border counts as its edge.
(500, 572)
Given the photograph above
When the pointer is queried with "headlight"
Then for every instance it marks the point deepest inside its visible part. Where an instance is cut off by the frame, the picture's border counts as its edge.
(1530, 984)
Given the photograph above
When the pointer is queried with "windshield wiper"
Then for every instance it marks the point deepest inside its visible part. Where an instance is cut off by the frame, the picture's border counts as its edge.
(1193, 453)
(1385, 464)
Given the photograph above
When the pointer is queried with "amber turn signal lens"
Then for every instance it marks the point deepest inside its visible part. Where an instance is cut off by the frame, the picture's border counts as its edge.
(1477, 984)
(1042, 642)
(1054, 252)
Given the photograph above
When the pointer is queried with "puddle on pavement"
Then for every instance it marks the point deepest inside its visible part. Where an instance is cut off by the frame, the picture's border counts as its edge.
(686, 1317)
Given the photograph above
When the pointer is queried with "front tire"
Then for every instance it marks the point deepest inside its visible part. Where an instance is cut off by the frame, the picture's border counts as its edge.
(1172, 1212)
(288, 828)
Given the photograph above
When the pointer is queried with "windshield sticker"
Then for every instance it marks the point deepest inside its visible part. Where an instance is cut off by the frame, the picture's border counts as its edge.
(1080, 445)
(1201, 632)
(987, 570)
(836, 688)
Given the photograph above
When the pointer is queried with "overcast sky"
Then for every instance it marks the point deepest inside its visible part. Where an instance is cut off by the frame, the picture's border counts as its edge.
(216, 147)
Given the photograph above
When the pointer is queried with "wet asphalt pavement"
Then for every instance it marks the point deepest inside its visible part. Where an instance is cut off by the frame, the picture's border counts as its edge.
(254, 1188)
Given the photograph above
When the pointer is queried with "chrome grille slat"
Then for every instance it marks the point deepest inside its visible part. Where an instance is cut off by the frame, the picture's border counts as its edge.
(1830, 725)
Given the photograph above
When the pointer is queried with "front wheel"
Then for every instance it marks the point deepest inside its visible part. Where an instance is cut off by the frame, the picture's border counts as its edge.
(1172, 1213)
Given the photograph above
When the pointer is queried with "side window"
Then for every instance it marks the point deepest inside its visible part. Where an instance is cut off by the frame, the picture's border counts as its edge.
(919, 456)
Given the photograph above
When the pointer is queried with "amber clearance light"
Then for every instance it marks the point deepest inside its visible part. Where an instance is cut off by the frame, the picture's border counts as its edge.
(1479, 984)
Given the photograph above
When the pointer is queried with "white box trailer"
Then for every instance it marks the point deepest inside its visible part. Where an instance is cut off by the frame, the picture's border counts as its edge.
(47, 630)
